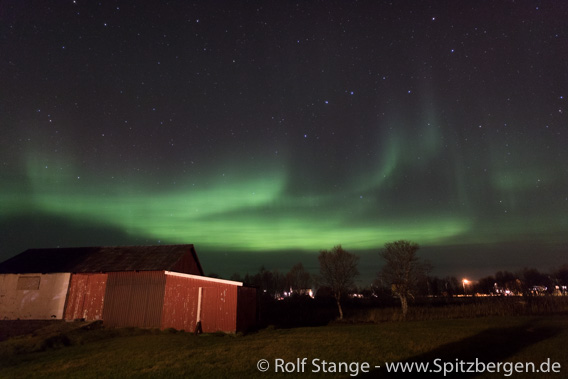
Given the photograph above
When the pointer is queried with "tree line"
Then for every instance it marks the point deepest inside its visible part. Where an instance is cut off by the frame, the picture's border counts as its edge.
(338, 271)
(404, 276)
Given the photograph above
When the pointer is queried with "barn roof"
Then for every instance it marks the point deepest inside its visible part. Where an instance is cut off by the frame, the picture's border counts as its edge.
(103, 259)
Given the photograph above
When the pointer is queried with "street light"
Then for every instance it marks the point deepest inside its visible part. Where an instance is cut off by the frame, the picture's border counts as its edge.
(464, 282)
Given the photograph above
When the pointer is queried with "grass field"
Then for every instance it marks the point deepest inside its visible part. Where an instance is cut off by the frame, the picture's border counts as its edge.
(67, 351)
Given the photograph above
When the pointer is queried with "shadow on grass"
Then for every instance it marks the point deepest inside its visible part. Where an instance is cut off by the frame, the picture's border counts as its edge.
(297, 311)
(490, 346)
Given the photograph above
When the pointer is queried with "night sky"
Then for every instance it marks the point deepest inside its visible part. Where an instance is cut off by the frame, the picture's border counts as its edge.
(263, 131)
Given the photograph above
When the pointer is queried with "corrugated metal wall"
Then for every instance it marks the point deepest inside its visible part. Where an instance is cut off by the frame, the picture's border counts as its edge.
(187, 265)
(152, 299)
(86, 296)
(218, 307)
(134, 299)
(180, 304)
(247, 312)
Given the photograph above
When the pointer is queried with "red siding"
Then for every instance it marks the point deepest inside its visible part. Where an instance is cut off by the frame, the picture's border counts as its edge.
(218, 306)
(134, 299)
(180, 304)
(188, 264)
(86, 297)
(153, 299)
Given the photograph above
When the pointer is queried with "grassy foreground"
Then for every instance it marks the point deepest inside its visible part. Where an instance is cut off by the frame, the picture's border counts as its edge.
(120, 353)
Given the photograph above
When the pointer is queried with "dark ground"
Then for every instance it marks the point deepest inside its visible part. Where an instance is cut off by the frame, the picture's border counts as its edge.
(14, 328)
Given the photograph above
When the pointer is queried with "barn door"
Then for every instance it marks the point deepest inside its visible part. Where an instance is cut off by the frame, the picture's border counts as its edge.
(218, 310)
(134, 299)
(209, 311)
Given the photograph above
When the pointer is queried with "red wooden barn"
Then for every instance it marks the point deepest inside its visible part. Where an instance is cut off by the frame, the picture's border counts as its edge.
(144, 286)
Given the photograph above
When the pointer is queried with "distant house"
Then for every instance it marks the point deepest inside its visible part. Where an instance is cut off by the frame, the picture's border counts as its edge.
(143, 286)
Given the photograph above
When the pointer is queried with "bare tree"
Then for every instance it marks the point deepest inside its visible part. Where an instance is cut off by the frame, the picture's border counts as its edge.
(271, 283)
(403, 270)
(338, 269)
(298, 279)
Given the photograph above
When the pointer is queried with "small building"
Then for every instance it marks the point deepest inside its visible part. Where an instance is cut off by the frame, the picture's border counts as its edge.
(142, 286)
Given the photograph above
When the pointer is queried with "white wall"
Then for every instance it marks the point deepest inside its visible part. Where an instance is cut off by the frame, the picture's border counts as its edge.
(33, 296)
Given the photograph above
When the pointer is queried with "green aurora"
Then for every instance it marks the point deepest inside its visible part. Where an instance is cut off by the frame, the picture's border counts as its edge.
(271, 129)
(232, 213)
(253, 209)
